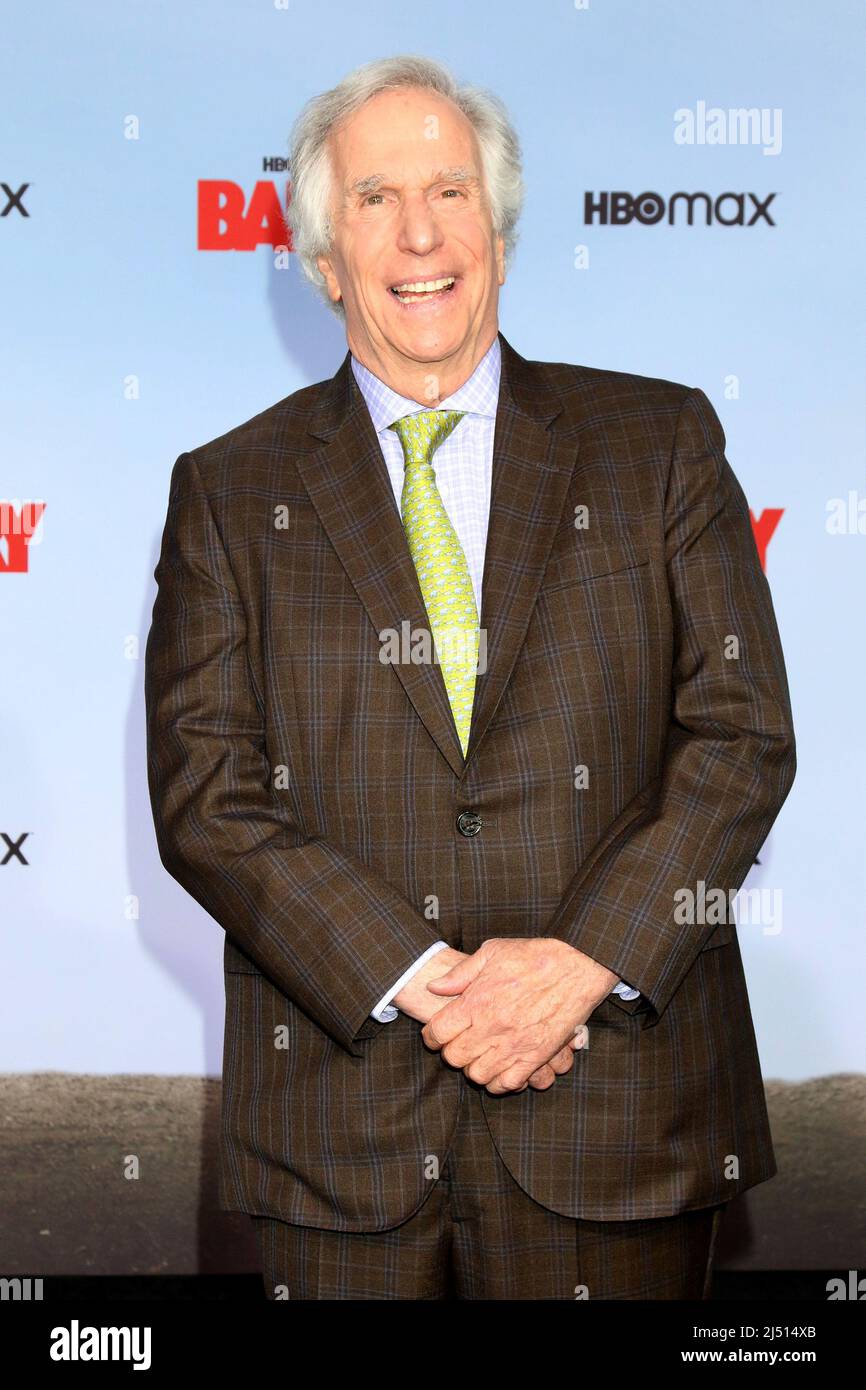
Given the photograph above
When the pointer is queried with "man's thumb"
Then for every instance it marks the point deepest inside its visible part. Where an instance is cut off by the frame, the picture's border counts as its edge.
(457, 978)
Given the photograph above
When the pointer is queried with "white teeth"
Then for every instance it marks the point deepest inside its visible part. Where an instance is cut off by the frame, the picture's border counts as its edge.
(423, 286)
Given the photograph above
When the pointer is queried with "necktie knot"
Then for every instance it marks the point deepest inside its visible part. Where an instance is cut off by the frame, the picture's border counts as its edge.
(422, 434)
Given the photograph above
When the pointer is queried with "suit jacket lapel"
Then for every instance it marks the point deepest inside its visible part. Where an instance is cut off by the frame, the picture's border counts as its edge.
(348, 484)
(532, 466)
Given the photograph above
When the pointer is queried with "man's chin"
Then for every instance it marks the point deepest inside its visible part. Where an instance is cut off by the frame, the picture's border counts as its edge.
(429, 344)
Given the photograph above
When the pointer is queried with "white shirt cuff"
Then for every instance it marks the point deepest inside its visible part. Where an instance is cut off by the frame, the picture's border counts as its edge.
(625, 991)
(385, 1012)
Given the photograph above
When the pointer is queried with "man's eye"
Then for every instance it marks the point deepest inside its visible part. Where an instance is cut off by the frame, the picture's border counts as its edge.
(372, 195)
(458, 191)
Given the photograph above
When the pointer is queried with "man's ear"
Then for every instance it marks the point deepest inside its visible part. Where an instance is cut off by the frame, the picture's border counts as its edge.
(329, 273)
(500, 259)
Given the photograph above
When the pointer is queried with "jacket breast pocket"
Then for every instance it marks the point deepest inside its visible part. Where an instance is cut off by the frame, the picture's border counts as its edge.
(582, 563)
(596, 627)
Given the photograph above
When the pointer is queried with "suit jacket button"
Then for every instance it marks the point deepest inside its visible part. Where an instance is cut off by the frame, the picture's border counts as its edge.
(469, 822)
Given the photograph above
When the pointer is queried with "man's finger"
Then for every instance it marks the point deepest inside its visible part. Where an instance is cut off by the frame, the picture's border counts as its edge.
(487, 1065)
(445, 1025)
(514, 1078)
(543, 1079)
(497, 1088)
(470, 1046)
(455, 980)
(563, 1061)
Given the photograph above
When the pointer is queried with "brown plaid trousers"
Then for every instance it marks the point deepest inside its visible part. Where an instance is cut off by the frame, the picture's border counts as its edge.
(478, 1235)
(306, 793)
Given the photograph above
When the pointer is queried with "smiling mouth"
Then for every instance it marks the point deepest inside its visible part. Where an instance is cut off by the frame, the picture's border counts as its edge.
(417, 291)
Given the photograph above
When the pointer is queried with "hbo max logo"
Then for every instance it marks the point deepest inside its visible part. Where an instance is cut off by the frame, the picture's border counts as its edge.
(727, 210)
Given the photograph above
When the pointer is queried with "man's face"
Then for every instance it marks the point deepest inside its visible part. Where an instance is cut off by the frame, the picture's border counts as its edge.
(409, 208)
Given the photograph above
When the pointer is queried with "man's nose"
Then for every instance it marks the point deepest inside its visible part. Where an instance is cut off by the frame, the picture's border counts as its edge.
(419, 229)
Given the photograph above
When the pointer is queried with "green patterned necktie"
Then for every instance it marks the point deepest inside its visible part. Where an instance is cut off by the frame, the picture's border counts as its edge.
(440, 563)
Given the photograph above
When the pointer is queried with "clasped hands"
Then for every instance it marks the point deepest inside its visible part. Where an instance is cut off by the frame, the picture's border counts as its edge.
(507, 1014)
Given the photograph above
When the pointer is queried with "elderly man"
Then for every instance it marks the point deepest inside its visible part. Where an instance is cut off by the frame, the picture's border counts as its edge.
(475, 1047)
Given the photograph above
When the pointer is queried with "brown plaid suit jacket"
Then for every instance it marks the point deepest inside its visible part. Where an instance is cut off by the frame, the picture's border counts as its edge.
(306, 793)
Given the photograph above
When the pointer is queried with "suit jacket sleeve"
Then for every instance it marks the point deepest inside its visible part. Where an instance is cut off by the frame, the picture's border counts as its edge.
(328, 932)
(730, 757)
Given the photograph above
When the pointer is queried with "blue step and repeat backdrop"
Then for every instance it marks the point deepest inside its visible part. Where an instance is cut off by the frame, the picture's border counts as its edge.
(695, 209)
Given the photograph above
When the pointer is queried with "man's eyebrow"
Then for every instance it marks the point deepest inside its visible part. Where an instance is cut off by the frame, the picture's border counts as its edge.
(366, 185)
(459, 173)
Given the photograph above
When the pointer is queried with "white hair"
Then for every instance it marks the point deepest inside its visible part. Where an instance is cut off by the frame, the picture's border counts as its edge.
(307, 212)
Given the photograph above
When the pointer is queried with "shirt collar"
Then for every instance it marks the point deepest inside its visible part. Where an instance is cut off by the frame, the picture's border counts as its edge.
(479, 394)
